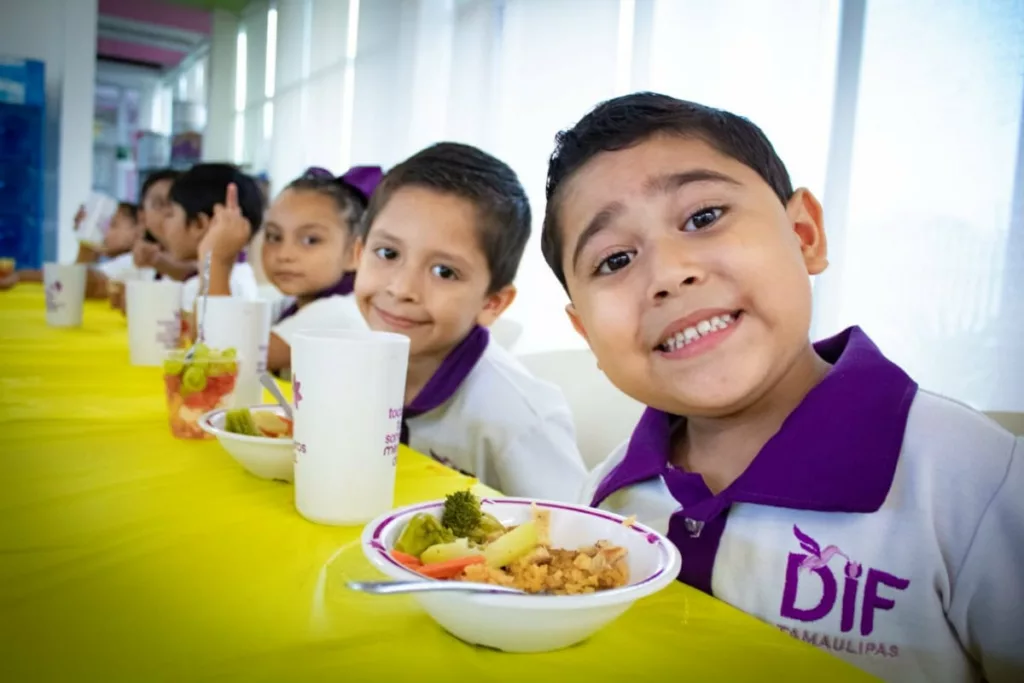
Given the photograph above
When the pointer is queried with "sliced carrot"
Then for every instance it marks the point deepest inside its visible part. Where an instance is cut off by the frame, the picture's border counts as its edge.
(449, 568)
(408, 560)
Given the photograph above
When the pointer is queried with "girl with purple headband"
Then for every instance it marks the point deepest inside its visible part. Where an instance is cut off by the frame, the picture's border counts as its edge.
(308, 246)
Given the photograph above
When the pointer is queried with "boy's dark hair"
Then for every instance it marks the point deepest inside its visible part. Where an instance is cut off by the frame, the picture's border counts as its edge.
(624, 121)
(154, 178)
(204, 186)
(128, 209)
(503, 210)
(351, 201)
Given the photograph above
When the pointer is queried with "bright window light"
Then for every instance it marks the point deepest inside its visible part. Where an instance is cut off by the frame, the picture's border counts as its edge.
(349, 83)
(241, 58)
(271, 71)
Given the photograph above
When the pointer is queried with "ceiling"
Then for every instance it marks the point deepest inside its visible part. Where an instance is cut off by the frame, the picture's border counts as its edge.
(229, 5)
(152, 33)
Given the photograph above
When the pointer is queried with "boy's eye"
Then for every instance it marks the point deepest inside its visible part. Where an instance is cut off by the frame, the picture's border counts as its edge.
(386, 253)
(272, 237)
(444, 272)
(703, 219)
(614, 262)
(310, 240)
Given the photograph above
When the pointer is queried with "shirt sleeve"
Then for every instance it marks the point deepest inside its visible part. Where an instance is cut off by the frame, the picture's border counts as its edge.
(543, 462)
(987, 606)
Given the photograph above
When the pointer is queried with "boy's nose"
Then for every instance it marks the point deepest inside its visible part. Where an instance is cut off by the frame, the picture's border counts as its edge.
(673, 269)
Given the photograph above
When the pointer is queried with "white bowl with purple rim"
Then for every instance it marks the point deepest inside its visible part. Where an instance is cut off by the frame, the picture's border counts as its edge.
(261, 456)
(534, 623)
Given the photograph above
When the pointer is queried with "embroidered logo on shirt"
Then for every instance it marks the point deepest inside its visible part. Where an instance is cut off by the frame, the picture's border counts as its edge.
(812, 567)
(296, 391)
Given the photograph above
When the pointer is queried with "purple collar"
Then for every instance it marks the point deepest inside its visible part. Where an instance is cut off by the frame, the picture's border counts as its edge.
(342, 287)
(836, 452)
(449, 376)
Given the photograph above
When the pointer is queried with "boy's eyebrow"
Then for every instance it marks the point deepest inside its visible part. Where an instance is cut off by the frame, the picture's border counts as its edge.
(673, 181)
(599, 222)
(655, 185)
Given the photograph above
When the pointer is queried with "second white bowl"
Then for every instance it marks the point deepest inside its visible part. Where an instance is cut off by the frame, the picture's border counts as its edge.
(264, 457)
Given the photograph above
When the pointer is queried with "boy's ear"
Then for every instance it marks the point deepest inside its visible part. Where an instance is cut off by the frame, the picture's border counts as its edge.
(202, 223)
(577, 324)
(805, 214)
(495, 304)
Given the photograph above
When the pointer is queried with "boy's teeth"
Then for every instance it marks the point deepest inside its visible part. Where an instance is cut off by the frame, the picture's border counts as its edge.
(695, 332)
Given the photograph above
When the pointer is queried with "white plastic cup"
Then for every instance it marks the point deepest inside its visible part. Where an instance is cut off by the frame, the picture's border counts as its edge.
(154, 320)
(65, 293)
(99, 211)
(348, 390)
(244, 325)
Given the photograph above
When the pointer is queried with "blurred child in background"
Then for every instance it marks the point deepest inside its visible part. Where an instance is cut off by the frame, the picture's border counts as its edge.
(308, 254)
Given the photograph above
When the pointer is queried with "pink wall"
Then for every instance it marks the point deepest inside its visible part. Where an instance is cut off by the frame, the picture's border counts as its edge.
(141, 53)
(155, 12)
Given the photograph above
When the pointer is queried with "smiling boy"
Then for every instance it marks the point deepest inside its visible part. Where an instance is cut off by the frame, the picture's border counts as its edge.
(811, 485)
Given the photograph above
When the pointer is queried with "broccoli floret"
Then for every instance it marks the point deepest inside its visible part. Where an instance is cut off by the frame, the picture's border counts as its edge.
(420, 533)
(462, 514)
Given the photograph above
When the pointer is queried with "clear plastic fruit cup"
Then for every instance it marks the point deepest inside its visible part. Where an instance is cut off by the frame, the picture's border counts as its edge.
(198, 386)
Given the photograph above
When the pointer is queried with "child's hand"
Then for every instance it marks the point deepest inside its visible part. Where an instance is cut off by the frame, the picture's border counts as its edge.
(144, 254)
(79, 216)
(229, 231)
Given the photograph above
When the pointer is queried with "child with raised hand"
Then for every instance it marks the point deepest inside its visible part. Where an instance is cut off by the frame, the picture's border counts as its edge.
(811, 485)
(214, 209)
(308, 254)
(443, 237)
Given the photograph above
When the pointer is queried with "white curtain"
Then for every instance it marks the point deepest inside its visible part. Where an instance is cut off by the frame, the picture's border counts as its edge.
(904, 117)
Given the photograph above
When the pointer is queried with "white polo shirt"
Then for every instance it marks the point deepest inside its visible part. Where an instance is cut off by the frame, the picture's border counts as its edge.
(881, 523)
(329, 313)
(242, 282)
(484, 414)
(122, 268)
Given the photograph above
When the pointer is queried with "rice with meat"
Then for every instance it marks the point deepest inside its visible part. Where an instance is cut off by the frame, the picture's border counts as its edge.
(558, 571)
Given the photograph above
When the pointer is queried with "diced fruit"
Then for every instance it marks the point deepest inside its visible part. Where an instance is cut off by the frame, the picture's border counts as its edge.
(513, 545)
(197, 386)
(272, 425)
(193, 379)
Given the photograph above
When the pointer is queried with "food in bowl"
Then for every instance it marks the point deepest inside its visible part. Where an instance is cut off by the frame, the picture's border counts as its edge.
(6, 266)
(196, 386)
(538, 622)
(263, 456)
(260, 423)
(467, 544)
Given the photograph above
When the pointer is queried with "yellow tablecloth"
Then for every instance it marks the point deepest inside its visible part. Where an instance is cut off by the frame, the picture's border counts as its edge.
(128, 556)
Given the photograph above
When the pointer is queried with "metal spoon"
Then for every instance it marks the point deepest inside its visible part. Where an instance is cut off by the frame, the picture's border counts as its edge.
(204, 293)
(395, 587)
(270, 385)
